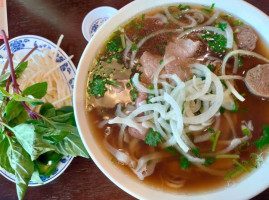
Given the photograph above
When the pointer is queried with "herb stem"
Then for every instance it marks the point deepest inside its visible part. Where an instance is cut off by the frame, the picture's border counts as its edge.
(12, 71)
(215, 141)
(241, 166)
(234, 156)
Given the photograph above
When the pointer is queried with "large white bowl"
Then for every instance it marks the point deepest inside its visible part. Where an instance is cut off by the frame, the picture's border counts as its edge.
(255, 183)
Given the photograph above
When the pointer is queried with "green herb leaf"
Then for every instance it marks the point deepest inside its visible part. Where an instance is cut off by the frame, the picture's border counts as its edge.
(18, 71)
(264, 140)
(211, 67)
(37, 90)
(114, 45)
(210, 9)
(36, 177)
(31, 141)
(23, 166)
(172, 150)
(134, 46)
(184, 162)
(13, 110)
(134, 94)
(236, 107)
(195, 151)
(72, 145)
(4, 161)
(97, 86)
(216, 42)
(209, 161)
(153, 138)
(181, 7)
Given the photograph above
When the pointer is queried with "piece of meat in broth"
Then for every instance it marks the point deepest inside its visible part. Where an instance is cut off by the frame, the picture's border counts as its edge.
(150, 63)
(257, 80)
(246, 38)
(140, 100)
(182, 50)
(137, 134)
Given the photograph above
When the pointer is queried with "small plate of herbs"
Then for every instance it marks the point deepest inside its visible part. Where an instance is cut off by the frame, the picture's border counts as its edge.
(38, 139)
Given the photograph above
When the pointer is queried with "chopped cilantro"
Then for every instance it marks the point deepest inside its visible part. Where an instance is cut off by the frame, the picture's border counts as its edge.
(172, 150)
(161, 48)
(211, 67)
(264, 140)
(210, 9)
(134, 47)
(134, 94)
(109, 60)
(98, 85)
(211, 130)
(153, 138)
(222, 110)
(195, 151)
(209, 161)
(184, 162)
(246, 131)
(143, 17)
(114, 45)
(240, 62)
(128, 85)
(236, 107)
(177, 16)
(222, 26)
(216, 42)
(238, 23)
(161, 61)
(181, 7)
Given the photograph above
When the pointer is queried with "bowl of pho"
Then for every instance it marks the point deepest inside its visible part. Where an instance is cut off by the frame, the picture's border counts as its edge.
(171, 99)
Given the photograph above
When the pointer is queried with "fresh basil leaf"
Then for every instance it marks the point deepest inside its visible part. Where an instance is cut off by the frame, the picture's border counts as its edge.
(72, 145)
(21, 118)
(32, 102)
(13, 110)
(31, 141)
(67, 118)
(37, 90)
(47, 110)
(4, 93)
(23, 166)
(36, 178)
(18, 71)
(4, 161)
(65, 109)
(54, 136)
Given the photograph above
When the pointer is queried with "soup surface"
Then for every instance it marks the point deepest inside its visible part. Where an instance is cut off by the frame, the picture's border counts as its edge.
(168, 103)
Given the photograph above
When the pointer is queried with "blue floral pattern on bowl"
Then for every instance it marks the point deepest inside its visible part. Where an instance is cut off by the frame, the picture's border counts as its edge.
(96, 24)
(22, 45)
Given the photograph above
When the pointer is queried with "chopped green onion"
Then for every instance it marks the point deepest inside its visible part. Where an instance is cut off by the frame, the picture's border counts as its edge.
(234, 156)
(216, 138)
(161, 61)
(245, 130)
(210, 9)
(122, 41)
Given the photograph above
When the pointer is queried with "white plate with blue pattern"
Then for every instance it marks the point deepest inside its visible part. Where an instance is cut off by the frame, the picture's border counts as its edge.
(22, 45)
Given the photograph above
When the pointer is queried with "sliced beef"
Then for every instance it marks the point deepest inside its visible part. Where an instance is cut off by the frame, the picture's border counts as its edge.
(246, 37)
(150, 63)
(183, 50)
(136, 134)
(142, 96)
(257, 80)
